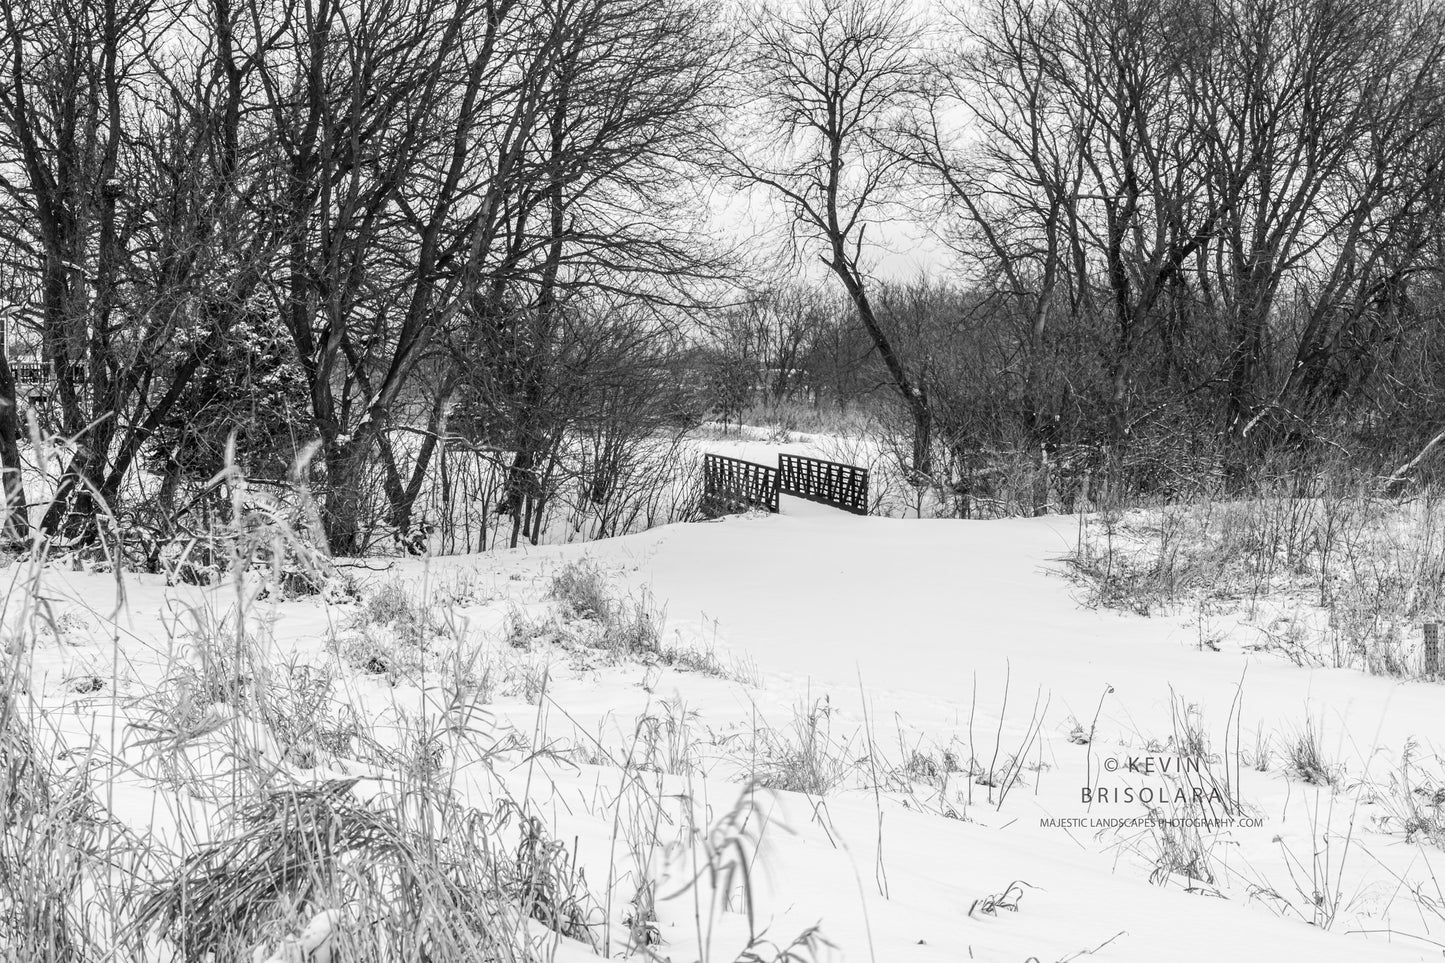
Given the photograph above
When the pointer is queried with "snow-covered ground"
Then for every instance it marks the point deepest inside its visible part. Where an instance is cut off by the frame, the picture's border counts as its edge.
(959, 700)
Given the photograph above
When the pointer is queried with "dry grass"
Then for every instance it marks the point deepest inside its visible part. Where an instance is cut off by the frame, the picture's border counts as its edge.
(802, 758)
(626, 627)
(1008, 898)
(409, 880)
(1413, 800)
(289, 818)
(394, 609)
(408, 873)
(55, 841)
(1332, 575)
(1305, 757)
(582, 591)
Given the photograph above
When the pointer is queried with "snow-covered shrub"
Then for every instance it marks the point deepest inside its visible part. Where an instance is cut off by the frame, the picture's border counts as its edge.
(392, 608)
(630, 626)
(521, 631)
(262, 533)
(581, 591)
(226, 715)
(378, 653)
(1367, 623)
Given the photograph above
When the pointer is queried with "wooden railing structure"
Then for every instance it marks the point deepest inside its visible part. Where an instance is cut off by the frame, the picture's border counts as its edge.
(35, 380)
(30, 372)
(828, 482)
(735, 485)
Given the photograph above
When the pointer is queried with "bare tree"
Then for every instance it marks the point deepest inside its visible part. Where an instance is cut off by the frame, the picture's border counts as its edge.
(1077, 172)
(125, 152)
(1163, 171)
(626, 95)
(1323, 130)
(784, 319)
(828, 80)
(398, 129)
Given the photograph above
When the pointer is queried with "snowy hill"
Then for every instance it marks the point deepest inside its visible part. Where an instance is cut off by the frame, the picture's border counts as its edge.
(882, 728)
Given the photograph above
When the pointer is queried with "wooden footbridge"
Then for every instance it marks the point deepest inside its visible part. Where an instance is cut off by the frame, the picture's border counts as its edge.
(735, 485)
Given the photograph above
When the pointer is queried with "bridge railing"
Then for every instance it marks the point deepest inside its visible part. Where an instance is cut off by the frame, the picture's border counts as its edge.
(733, 485)
(828, 482)
(40, 372)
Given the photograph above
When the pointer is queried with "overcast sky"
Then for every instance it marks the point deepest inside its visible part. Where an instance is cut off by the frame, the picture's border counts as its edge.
(900, 247)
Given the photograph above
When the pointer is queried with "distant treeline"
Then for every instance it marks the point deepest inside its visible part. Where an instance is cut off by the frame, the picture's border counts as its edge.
(329, 240)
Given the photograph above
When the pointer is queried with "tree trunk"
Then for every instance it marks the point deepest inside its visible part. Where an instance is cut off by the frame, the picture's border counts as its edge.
(17, 518)
(402, 497)
(72, 514)
(913, 397)
(341, 509)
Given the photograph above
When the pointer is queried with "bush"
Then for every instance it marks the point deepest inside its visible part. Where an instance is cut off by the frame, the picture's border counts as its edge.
(582, 591)
(395, 609)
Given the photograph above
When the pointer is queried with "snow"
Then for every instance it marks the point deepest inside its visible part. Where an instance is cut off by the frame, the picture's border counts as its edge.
(915, 635)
